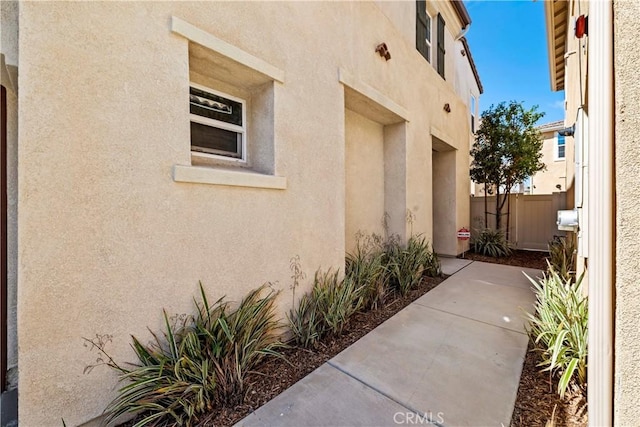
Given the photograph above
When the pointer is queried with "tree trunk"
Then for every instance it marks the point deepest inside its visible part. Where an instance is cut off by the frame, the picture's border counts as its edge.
(485, 205)
(498, 209)
(508, 215)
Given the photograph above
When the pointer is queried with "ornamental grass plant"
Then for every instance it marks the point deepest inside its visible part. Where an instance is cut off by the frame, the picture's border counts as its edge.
(559, 328)
(199, 365)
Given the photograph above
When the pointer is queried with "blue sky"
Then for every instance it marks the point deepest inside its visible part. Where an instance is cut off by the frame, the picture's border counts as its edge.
(508, 43)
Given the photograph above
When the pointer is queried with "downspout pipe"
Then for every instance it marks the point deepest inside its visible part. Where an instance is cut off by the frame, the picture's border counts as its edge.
(601, 214)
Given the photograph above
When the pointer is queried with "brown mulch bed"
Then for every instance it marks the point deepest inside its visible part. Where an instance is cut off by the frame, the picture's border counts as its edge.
(278, 374)
(537, 399)
(299, 362)
(282, 374)
(519, 258)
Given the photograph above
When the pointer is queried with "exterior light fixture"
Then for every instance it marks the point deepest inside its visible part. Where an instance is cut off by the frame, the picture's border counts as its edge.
(383, 50)
(447, 107)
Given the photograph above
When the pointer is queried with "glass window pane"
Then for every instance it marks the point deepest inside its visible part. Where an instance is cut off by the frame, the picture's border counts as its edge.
(561, 151)
(211, 140)
(215, 107)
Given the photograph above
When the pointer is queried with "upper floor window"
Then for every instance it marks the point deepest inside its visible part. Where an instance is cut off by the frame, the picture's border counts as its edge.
(423, 30)
(472, 107)
(560, 147)
(424, 36)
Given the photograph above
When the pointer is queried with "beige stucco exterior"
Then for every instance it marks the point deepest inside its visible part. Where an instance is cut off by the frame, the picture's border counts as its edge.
(555, 177)
(622, 314)
(627, 178)
(9, 73)
(117, 219)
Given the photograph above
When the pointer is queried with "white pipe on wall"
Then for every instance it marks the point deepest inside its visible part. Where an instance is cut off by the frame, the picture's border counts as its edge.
(601, 213)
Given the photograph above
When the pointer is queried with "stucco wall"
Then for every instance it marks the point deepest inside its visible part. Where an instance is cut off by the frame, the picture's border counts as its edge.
(9, 48)
(108, 238)
(556, 172)
(627, 153)
(364, 177)
(444, 206)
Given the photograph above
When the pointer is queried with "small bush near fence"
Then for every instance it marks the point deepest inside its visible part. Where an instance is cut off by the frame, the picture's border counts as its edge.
(491, 243)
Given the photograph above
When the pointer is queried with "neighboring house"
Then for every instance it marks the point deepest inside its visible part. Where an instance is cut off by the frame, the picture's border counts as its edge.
(595, 59)
(151, 145)
(557, 155)
(558, 174)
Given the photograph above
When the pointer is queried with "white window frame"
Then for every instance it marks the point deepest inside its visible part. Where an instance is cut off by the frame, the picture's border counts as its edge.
(242, 130)
(474, 119)
(556, 146)
(427, 41)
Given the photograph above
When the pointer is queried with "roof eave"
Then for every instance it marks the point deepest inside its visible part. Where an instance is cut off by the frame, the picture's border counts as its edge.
(472, 63)
(552, 23)
(462, 13)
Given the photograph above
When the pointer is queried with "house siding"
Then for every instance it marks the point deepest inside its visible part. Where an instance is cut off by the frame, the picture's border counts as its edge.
(627, 182)
(108, 238)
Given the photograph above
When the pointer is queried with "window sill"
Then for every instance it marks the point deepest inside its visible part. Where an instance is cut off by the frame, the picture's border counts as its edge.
(234, 178)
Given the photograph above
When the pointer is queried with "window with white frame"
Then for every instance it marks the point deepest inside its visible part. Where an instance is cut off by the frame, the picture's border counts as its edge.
(560, 147)
(428, 36)
(423, 30)
(472, 107)
(218, 123)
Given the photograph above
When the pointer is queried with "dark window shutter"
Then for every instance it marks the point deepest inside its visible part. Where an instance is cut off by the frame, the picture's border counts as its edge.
(421, 29)
(440, 41)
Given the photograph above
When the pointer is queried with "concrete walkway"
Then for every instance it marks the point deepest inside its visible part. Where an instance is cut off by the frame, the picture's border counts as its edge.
(451, 358)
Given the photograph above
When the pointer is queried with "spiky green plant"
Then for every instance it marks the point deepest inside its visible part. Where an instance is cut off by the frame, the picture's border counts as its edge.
(305, 322)
(237, 340)
(337, 300)
(326, 309)
(367, 269)
(491, 243)
(559, 328)
(172, 384)
(562, 256)
(191, 369)
(407, 266)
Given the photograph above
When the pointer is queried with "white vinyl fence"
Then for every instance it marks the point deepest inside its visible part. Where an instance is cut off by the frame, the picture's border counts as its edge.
(532, 221)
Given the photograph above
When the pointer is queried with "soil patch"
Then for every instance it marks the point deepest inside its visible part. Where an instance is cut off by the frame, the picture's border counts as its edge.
(276, 375)
(537, 399)
(519, 258)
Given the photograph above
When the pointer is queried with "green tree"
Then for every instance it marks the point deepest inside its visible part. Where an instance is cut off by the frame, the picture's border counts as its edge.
(507, 150)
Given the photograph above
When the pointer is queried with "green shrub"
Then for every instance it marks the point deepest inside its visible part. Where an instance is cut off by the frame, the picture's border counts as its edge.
(305, 322)
(237, 340)
(192, 368)
(325, 310)
(562, 256)
(559, 328)
(366, 268)
(407, 266)
(491, 243)
(337, 300)
(172, 384)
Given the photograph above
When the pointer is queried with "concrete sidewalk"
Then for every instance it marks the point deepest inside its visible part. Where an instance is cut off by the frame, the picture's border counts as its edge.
(454, 355)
